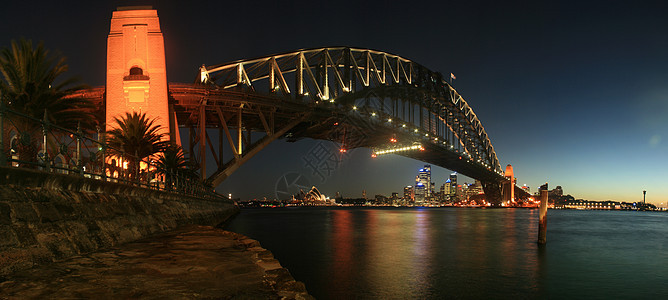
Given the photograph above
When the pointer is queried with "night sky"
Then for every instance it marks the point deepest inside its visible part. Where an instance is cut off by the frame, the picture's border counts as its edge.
(574, 93)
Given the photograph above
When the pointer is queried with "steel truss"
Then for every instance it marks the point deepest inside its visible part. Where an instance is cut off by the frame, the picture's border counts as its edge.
(304, 92)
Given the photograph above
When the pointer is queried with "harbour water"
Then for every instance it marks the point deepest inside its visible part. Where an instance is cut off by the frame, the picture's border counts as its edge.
(437, 253)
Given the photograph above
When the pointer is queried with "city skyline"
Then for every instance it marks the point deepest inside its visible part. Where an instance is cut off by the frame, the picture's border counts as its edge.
(570, 93)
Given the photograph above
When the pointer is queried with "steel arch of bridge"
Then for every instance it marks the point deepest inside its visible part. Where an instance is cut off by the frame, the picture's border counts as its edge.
(418, 103)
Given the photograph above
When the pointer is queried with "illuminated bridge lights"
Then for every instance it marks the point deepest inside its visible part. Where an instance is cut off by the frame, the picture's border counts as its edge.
(449, 112)
(398, 149)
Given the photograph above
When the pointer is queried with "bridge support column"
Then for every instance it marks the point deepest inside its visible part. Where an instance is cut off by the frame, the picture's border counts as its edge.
(542, 219)
(239, 159)
(202, 140)
(493, 192)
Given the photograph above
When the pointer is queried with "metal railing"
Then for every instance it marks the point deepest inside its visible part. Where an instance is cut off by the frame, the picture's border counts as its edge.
(28, 142)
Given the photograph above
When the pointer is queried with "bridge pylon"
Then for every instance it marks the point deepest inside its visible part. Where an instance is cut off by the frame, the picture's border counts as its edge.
(136, 71)
(493, 191)
(509, 185)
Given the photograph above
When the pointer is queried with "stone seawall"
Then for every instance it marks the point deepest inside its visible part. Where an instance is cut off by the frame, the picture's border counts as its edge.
(45, 217)
(191, 262)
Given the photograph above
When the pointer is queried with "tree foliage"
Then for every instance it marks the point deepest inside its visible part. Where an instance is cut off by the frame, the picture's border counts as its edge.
(135, 137)
(31, 85)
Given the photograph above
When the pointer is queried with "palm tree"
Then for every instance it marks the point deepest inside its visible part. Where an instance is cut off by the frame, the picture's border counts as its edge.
(29, 86)
(172, 164)
(135, 138)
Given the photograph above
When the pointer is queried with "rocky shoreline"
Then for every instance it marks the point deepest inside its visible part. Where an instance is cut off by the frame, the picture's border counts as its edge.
(192, 262)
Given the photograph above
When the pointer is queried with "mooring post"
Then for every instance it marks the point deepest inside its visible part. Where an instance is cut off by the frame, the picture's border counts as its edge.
(542, 220)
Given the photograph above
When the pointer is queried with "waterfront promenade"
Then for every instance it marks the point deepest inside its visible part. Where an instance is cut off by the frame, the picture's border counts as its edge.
(191, 262)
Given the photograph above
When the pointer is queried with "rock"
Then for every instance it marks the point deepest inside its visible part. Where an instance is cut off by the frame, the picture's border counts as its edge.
(54, 216)
(197, 262)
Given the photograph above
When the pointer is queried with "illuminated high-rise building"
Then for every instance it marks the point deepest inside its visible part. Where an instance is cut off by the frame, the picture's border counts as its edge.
(409, 193)
(423, 185)
(419, 190)
(453, 185)
(475, 188)
(425, 178)
(447, 187)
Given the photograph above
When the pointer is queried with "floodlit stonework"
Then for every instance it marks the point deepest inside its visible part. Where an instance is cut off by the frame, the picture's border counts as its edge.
(136, 73)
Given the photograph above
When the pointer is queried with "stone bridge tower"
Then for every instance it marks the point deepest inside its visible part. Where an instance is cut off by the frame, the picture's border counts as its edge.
(136, 72)
(509, 187)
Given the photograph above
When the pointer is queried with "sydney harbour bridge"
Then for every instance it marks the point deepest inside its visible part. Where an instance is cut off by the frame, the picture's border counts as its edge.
(355, 97)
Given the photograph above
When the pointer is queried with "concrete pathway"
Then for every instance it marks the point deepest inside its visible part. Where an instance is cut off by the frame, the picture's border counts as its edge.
(193, 262)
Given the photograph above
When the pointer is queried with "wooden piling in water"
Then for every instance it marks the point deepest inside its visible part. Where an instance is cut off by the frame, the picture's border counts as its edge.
(542, 220)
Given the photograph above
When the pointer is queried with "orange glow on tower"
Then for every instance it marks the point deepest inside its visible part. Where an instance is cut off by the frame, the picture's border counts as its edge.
(136, 73)
(510, 189)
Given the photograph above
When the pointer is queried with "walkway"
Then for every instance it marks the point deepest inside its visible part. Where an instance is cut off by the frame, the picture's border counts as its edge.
(192, 262)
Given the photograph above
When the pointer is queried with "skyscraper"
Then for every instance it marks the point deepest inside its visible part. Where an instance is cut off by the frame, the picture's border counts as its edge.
(419, 190)
(425, 178)
(423, 185)
(453, 186)
(408, 193)
(441, 194)
(447, 187)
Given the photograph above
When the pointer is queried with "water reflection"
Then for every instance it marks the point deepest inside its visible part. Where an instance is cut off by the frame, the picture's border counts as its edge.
(418, 253)
(341, 266)
(432, 253)
(422, 256)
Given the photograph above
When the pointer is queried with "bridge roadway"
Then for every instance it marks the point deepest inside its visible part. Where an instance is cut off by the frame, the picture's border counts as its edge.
(356, 97)
(319, 125)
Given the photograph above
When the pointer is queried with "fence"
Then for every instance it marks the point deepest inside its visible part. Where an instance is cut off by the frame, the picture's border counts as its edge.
(29, 142)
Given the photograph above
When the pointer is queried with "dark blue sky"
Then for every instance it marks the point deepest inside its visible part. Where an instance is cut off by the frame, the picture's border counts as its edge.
(571, 93)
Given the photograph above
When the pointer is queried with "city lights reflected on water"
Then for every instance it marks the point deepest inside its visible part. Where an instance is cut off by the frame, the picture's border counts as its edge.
(436, 253)
(342, 244)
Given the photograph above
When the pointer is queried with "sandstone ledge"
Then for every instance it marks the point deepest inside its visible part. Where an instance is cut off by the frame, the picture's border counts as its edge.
(191, 262)
(46, 217)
